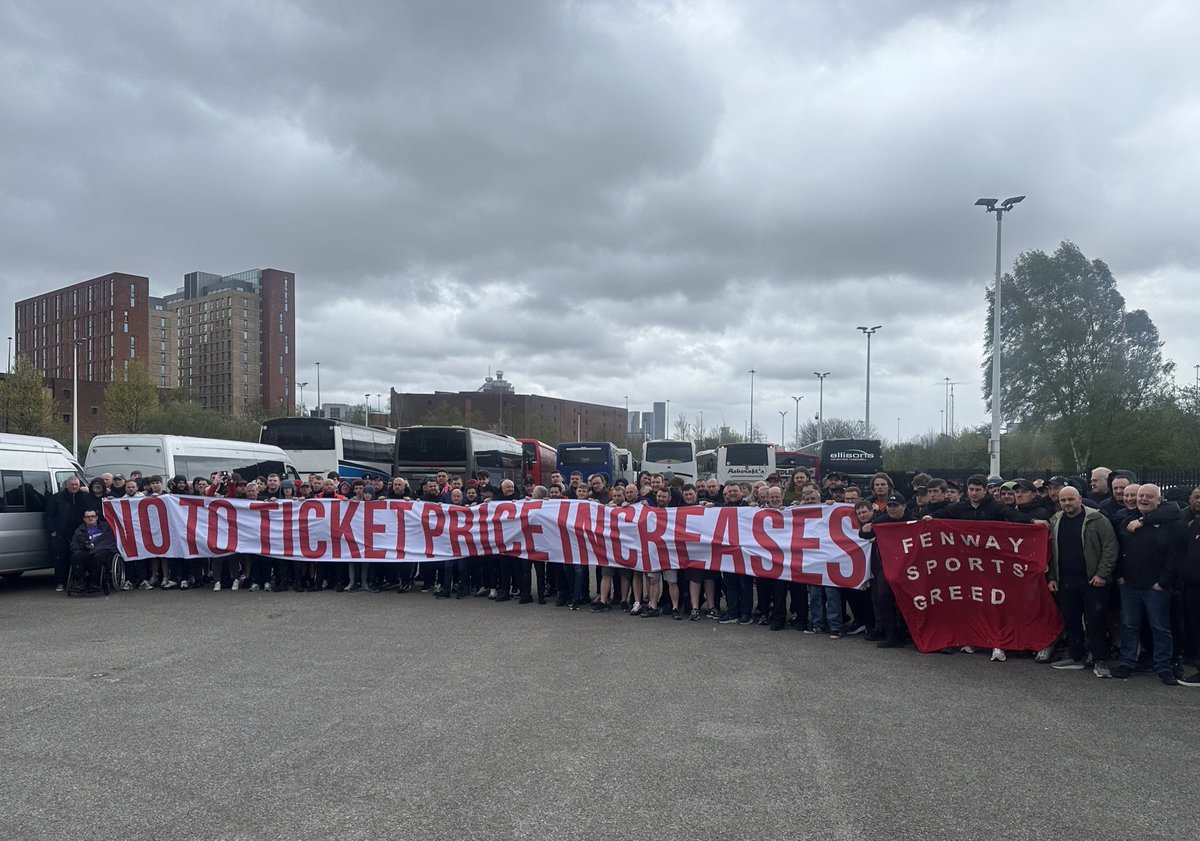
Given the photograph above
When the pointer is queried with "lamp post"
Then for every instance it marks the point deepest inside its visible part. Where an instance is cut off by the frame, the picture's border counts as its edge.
(821, 406)
(8, 373)
(868, 332)
(318, 364)
(367, 409)
(797, 400)
(994, 444)
(667, 422)
(782, 434)
(750, 428)
(75, 397)
(301, 386)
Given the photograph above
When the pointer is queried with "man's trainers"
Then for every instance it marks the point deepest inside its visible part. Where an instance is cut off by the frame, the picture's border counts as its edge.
(217, 587)
(810, 630)
(998, 655)
(1100, 669)
(145, 585)
(170, 585)
(184, 584)
(600, 607)
(745, 620)
(128, 585)
(856, 630)
(726, 619)
(694, 616)
(1043, 656)
(254, 588)
(492, 593)
(835, 636)
(1122, 672)
(236, 584)
(636, 610)
(1194, 680)
(1168, 678)
(1067, 663)
(268, 588)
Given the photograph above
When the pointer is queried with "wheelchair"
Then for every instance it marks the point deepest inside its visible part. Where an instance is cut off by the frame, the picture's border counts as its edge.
(112, 577)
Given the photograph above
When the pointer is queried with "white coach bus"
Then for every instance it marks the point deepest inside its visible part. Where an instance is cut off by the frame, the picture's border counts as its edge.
(679, 457)
(744, 462)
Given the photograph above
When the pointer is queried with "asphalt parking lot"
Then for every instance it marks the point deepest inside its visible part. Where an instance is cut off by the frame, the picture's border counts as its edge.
(152, 715)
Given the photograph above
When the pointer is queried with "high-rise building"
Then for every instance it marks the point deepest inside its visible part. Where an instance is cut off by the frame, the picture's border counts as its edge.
(235, 338)
(660, 420)
(108, 316)
(230, 340)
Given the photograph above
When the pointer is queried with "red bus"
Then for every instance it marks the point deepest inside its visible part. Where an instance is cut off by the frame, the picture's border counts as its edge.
(540, 460)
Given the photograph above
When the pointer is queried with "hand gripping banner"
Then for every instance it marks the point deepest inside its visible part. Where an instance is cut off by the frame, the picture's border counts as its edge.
(816, 544)
(965, 583)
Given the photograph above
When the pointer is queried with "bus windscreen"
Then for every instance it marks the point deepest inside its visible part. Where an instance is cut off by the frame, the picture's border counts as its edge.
(583, 456)
(298, 434)
(748, 454)
(432, 446)
(669, 452)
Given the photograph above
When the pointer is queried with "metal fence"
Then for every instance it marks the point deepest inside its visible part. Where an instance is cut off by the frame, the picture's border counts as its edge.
(1164, 477)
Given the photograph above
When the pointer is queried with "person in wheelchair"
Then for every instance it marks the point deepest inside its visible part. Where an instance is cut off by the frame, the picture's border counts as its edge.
(92, 546)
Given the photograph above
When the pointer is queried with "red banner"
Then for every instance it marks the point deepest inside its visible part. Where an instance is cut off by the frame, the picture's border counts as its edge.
(963, 583)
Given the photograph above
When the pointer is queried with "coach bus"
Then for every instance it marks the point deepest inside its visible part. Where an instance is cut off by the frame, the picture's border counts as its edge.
(181, 455)
(678, 457)
(460, 451)
(786, 461)
(744, 462)
(322, 445)
(540, 460)
(853, 457)
(706, 465)
(596, 457)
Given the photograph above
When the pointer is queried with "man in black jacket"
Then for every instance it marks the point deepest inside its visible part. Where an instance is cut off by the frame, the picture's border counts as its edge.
(1189, 579)
(64, 513)
(980, 505)
(92, 544)
(888, 623)
(1150, 553)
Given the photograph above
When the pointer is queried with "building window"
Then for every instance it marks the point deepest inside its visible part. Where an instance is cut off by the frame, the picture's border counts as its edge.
(66, 418)
(95, 410)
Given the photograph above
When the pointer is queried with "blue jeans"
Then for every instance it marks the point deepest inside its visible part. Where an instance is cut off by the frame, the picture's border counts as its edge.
(827, 600)
(1155, 605)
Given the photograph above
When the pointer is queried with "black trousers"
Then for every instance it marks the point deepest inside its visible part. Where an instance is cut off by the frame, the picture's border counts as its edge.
(86, 565)
(1084, 610)
(883, 600)
(1191, 619)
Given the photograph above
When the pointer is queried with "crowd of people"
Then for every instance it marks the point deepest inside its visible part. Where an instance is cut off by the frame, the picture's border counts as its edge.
(1124, 566)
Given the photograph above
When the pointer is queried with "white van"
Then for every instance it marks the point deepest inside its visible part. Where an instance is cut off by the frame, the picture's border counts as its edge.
(31, 470)
(177, 455)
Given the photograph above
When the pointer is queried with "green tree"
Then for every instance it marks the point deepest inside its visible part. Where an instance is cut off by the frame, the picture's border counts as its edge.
(28, 406)
(443, 414)
(131, 401)
(1074, 360)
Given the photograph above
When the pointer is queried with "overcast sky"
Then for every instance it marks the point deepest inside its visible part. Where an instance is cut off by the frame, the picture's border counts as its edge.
(611, 198)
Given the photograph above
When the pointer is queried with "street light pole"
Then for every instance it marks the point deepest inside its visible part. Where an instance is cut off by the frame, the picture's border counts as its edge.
(782, 434)
(994, 444)
(301, 386)
(75, 398)
(797, 400)
(319, 387)
(821, 406)
(868, 332)
(750, 429)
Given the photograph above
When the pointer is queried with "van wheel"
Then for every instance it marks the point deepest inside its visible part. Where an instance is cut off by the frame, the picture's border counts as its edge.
(16, 574)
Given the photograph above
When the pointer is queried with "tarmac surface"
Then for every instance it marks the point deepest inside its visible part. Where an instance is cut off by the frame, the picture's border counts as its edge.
(201, 715)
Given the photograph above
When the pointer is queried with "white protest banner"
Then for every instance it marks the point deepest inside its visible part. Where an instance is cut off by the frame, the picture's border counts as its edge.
(816, 544)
